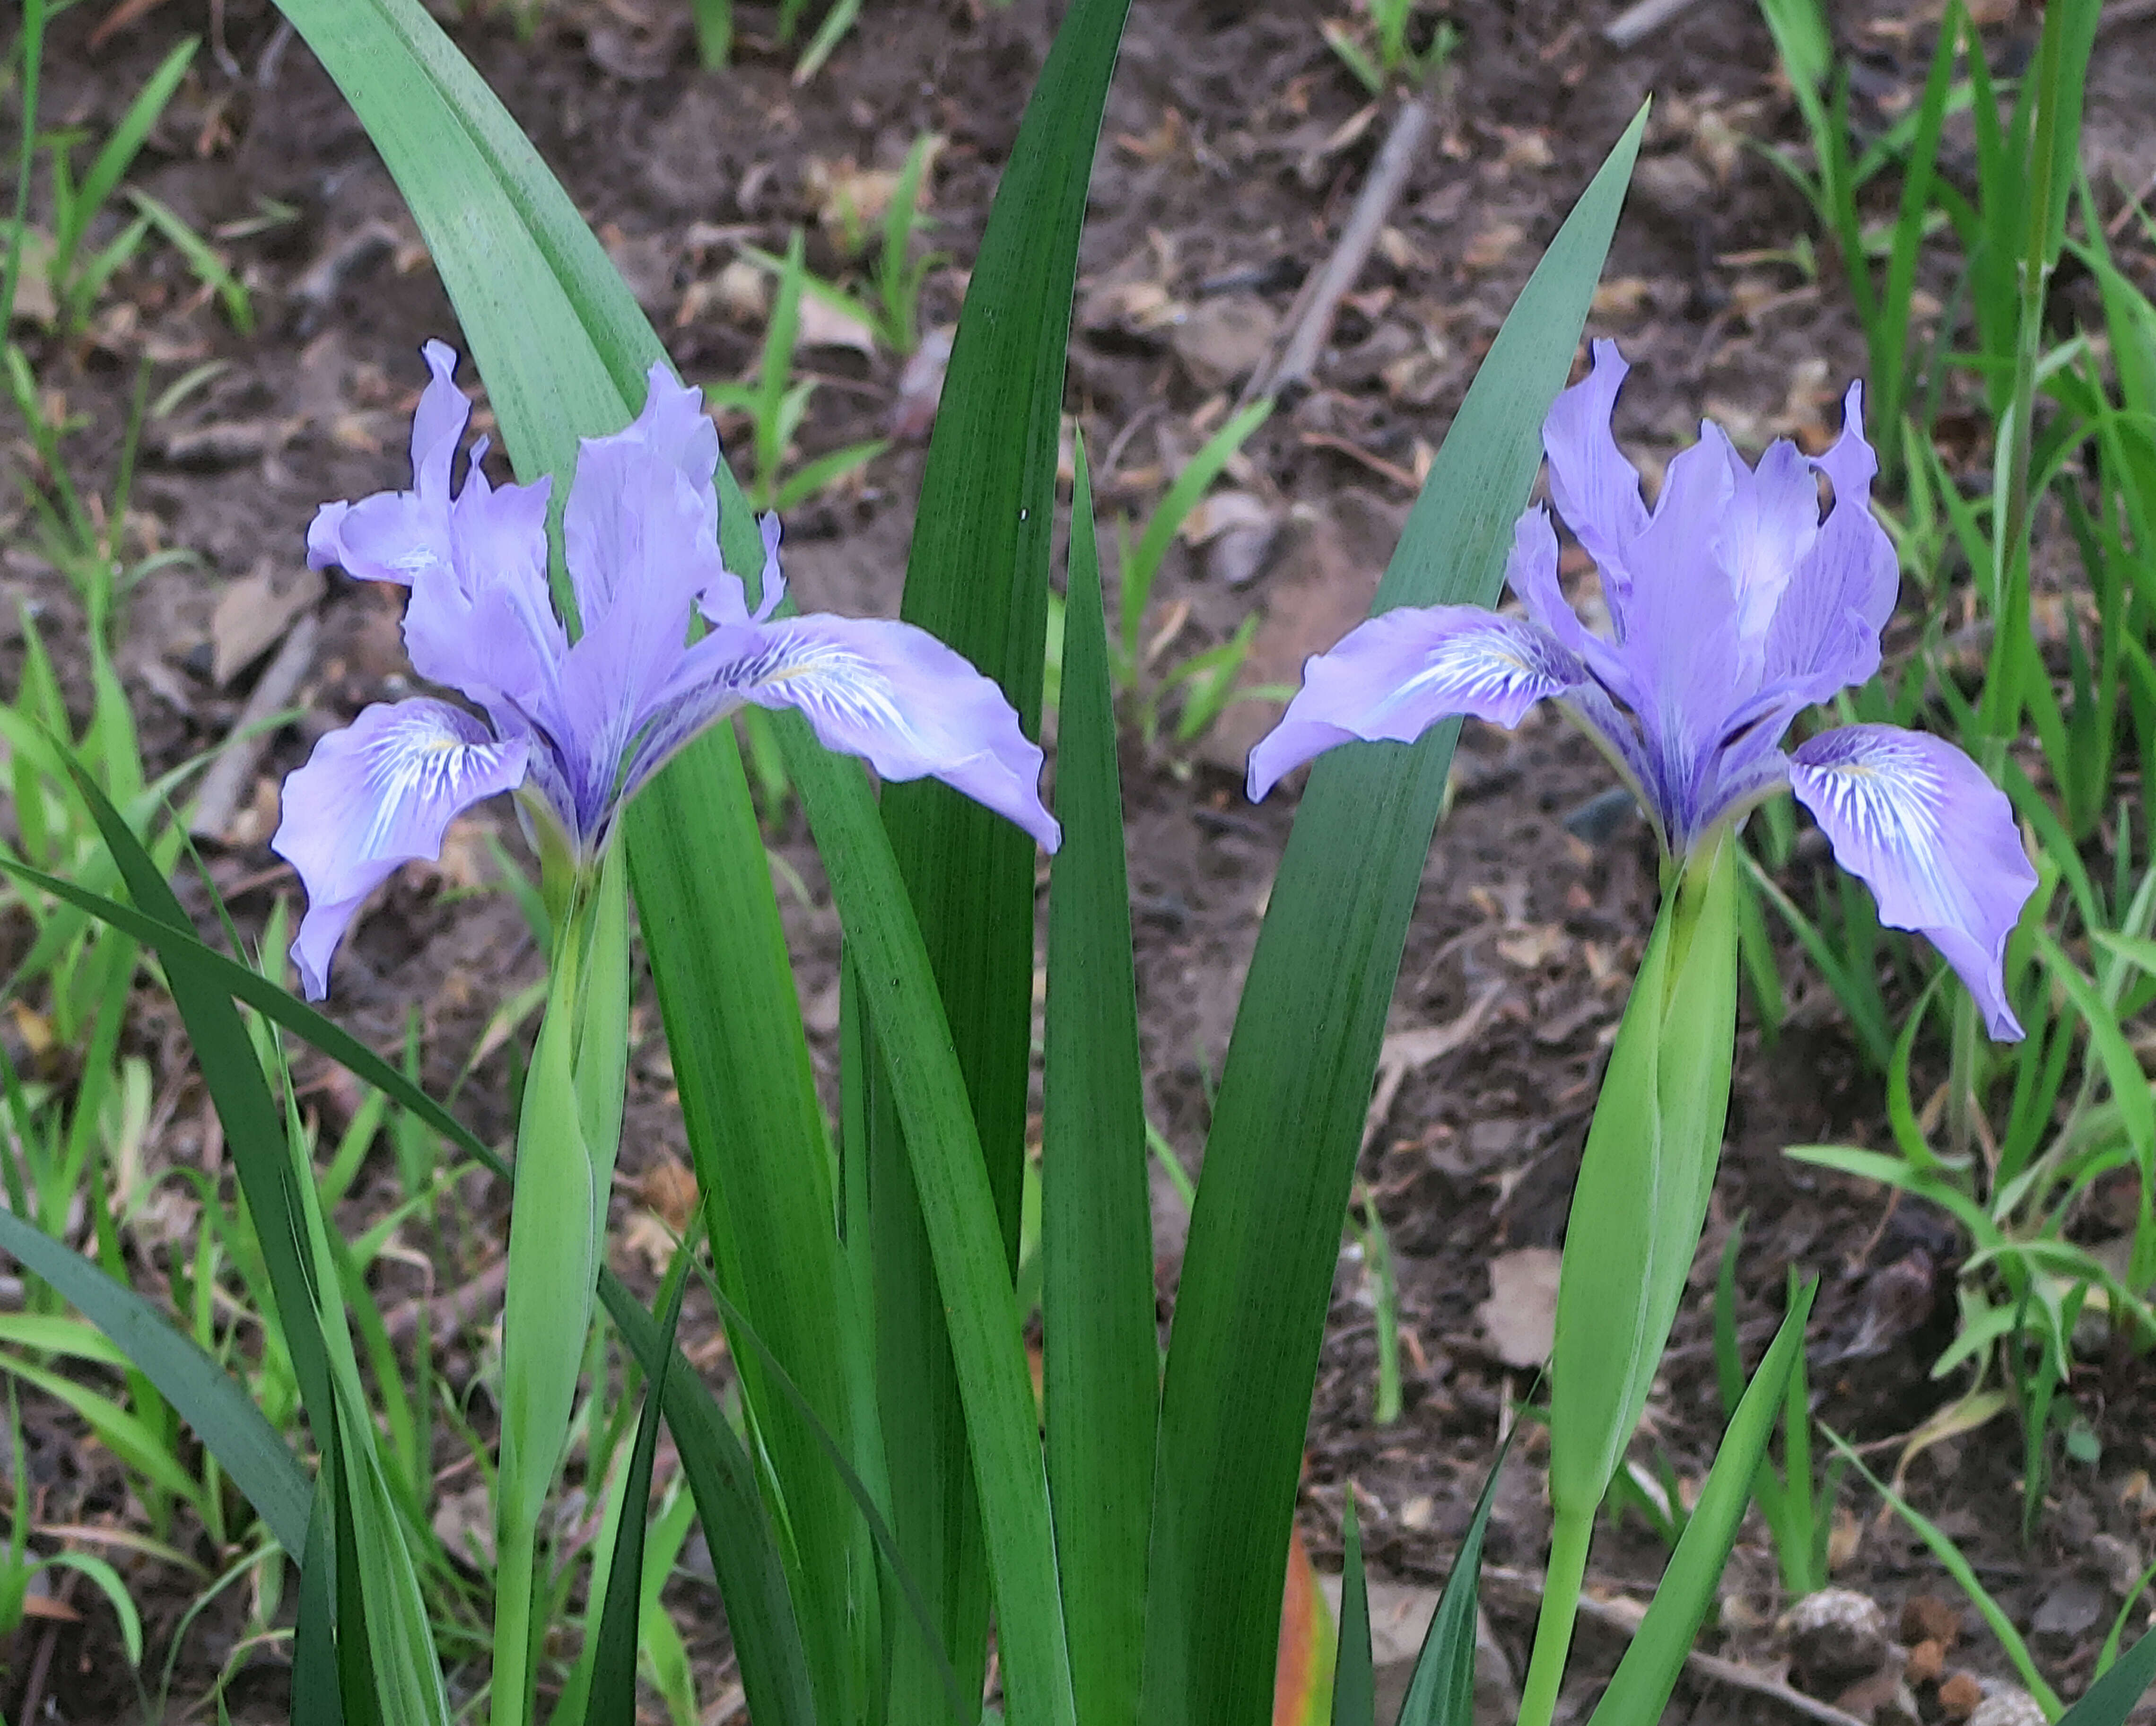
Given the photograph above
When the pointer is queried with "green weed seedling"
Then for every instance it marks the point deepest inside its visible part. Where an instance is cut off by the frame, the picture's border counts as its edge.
(2078, 1111)
(19, 1570)
(892, 312)
(71, 263)
(775, 404)
(1798, 1510)
(1377, 45)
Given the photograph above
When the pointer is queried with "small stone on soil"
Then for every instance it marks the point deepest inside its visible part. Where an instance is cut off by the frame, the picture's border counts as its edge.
(1835, 1635)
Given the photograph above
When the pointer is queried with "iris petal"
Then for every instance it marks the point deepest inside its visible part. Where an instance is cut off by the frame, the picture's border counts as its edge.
(380, 792)
(1824, 635)
(641, 534)
(888, 692)
(1767, 530)
(1595, 488)
(395, 536)
(1933, 838)
(1393, 677)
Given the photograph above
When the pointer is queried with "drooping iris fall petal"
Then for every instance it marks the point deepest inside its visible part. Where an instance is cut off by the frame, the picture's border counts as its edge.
(1933, 838)
(378, 794)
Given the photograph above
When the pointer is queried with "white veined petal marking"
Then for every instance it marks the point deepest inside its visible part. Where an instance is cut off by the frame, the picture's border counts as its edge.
(829, 678)
(422, 761)
(1487, 665)
(1893, 799)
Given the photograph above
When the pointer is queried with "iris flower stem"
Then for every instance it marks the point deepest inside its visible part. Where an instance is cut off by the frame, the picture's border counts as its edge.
(1561, 1585)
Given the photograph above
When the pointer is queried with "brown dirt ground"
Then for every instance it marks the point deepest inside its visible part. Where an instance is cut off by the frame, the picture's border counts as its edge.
(1232, 151)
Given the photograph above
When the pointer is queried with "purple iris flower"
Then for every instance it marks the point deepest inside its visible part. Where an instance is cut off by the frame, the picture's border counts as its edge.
(575, 727)
(1735, 606)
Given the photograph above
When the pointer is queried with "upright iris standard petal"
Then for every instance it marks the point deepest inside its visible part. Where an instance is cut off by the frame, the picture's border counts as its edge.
(1391, 678)
(483, 623)
(1933, 837)
(1824, 635)
(393, 536)
(892, 694)
(1766, 530)
(378, 794)
(1595, 488)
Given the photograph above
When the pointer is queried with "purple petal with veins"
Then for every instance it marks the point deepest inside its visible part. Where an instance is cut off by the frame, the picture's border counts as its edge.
(380, 792)
(1933, 838)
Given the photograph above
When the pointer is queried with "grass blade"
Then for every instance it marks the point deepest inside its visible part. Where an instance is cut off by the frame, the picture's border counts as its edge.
(1648, 1673)
(1101, 1352)
(1264, 1237)
(254, 1127)
(206, 1396)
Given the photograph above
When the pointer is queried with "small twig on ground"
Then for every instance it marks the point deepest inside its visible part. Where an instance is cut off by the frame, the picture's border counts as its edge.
(449, 1313)
(231, 776)
(1635, 23)
(1309, 323)
(1624, 1616)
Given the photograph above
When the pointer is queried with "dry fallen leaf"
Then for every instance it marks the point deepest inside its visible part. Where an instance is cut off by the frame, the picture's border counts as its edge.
(253, 613)
(824, 325)
(1406, 1051)
(1493, 246)
(1519, 1317)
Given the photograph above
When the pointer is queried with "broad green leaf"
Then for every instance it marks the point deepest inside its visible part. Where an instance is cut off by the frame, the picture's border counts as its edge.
(208, 1397)
(1264, 1236)
(1644, 1179)
(1637, 1209)
(1648, 1673)
(545, 1313)
(977, 577)
(1100, 1348)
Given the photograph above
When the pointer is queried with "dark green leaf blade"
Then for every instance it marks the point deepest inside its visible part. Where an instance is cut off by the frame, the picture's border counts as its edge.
(977, 577)
(2113, 1697)
(774, 1666)
(205, 1395)
(1354, 1679)
(1101, 1350)
(254, 1127)
(1442, 1691)
(1265, 1236)
(613, 1670)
